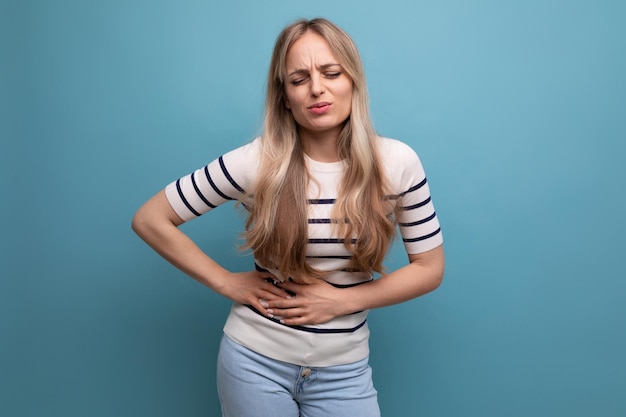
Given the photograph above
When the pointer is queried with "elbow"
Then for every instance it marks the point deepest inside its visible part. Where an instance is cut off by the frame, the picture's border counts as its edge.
(139, 223)
(150, 223)
(439, 268)
(136, 224)
(154, 218)
(430, 267)
(437, 280)
(438, 273)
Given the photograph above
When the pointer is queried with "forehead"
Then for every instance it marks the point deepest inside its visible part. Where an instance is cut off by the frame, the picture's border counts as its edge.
(311, 49)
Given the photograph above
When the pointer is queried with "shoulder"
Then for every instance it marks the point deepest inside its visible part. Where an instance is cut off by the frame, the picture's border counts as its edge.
(396, 155)
(391, 144)
(243, 160)
(400, 163)
(245, 153)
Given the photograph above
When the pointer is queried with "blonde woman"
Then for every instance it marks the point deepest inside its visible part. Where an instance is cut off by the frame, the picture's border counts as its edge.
(324, 195)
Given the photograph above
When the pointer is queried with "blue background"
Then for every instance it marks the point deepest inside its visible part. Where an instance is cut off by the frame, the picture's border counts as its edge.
(517, 109)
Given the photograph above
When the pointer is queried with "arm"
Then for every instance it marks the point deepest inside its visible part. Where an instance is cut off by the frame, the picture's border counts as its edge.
(321, 302)
(157, 224)
(423, 274)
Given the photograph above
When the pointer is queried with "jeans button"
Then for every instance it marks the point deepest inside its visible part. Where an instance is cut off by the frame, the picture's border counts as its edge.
(306, 372)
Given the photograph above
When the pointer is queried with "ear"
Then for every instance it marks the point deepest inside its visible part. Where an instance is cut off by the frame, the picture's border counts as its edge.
(287, 104)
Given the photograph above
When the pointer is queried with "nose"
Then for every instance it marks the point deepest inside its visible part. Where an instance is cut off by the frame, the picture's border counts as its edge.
(317, 85)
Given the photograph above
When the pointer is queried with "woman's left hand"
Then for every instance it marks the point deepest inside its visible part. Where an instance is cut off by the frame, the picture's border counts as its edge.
(315, 303)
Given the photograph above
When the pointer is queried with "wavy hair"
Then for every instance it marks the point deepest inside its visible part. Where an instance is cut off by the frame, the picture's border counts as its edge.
(276, 228)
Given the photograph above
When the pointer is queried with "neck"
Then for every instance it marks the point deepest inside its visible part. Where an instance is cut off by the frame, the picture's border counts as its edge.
(321, 146)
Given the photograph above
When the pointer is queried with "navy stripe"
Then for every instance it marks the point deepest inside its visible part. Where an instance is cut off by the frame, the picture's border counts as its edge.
(321, 201)
(418, 205)
(350, 270)
(208, 177)
(427, 219)
(261, 269)
(413, 188)
(329, 240)
(202, 197)
(229, 178)
(349, 285)
(417, 239)
(184, 200)
(319, 221)
(310, 329)
(326, 221)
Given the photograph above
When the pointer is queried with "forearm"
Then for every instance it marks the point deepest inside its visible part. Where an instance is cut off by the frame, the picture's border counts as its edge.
(157, 225)
(320, 302)
(178, 249)
(421, 276)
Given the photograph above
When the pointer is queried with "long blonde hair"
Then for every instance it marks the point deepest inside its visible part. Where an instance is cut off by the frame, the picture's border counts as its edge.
(276, 229)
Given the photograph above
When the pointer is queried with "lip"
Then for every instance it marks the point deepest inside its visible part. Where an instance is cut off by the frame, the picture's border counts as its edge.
(320, 108)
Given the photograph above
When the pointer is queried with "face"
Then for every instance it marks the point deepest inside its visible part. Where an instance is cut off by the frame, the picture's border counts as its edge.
(318, 92)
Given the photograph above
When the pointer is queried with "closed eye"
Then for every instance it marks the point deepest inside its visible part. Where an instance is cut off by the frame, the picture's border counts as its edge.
(299, 81)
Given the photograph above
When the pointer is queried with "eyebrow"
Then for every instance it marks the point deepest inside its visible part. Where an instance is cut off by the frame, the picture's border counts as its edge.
(322, 67)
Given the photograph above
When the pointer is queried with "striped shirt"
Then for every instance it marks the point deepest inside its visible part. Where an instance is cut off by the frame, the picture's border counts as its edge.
(343, 339)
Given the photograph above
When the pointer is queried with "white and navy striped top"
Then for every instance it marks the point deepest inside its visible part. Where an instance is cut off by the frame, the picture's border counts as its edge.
(344, 339)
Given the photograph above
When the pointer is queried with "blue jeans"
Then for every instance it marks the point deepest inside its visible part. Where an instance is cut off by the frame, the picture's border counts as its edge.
(253, 385)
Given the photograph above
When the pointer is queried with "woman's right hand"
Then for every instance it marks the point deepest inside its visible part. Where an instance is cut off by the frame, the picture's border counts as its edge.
(157, 224)
(252, 288)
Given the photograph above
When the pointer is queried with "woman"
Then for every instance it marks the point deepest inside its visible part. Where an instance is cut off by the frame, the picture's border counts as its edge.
(324, 195)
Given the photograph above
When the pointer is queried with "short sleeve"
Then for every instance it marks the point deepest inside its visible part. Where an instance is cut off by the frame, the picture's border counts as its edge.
(417, 220)
(224, 179)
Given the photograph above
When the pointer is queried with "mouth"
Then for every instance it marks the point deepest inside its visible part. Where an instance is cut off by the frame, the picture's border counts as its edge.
(319, 108)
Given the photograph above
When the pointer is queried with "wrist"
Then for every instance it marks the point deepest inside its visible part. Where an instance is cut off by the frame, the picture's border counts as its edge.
(351, 300)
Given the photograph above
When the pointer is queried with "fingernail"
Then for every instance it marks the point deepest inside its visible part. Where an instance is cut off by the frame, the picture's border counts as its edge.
(270, 311)
(264, 303)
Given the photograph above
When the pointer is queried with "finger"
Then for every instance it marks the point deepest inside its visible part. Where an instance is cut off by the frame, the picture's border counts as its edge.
(271, 284)
(258, 305)
(275, 291)
(289, 285)
(288, 312)
(285, 303)
(271, 296)
(297, 321)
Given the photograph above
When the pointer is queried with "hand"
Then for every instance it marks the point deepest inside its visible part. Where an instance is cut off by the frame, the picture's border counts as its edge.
(252, 288)
(315, 303)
